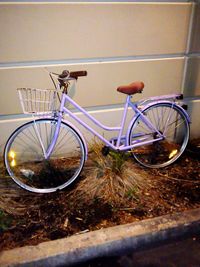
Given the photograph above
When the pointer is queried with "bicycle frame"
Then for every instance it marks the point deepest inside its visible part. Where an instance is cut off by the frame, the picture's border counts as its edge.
(117, 145)
(120, 129)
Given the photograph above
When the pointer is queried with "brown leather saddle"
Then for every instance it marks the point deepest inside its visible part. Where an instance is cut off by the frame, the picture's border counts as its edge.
(131, 89)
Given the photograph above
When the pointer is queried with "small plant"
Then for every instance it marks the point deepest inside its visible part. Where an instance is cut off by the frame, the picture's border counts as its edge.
(132, 193)
(111, 176)
(118, 160)
(113, 162)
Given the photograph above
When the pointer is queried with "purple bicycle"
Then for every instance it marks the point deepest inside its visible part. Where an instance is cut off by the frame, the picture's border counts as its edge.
(48, 153)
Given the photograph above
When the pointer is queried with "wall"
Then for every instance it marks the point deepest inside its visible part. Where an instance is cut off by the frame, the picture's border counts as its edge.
(116, 42)
(191, 79)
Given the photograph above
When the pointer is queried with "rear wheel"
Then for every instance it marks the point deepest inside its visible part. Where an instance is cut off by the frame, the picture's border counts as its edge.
(170, 121)
(25, 161)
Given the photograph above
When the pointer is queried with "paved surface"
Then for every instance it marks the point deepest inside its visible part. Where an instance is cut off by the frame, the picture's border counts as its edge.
(116, 241)
(178, 253)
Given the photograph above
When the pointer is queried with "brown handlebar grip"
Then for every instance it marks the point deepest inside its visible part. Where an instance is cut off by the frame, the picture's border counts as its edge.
(76, 74)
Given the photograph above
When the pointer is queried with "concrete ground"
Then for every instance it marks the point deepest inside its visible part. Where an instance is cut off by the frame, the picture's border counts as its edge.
(184, 252)
(166, 241)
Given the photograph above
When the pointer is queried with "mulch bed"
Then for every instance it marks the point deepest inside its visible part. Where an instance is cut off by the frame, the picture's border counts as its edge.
(29, 218)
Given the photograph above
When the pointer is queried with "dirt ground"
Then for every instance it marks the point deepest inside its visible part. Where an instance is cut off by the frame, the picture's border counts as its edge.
(28, 219)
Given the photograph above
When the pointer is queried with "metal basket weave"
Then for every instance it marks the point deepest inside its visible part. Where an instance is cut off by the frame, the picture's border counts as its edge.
(37, 101)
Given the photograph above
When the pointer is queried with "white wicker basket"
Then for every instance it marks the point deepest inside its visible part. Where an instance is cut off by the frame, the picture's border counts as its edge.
(37, 101)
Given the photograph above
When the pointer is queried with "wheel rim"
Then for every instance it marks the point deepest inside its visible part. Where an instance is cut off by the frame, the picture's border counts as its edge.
(173, 124)
(27, 166)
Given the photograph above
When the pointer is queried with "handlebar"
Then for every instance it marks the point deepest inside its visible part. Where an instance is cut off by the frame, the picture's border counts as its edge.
(66, 76)
(76, 74)
(73, 74)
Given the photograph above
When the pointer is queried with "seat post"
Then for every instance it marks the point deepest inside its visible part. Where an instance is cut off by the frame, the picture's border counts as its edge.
(123, 119)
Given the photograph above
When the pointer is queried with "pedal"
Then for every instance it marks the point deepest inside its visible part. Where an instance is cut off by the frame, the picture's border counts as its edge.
(179, 97)
(105, 150)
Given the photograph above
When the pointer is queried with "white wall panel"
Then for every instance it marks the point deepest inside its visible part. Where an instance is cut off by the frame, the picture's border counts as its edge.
(31, 32)
(195, 34)
(99, 87)
(192, 80)
(194, 111)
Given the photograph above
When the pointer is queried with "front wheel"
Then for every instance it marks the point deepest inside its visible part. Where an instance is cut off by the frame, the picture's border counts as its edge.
(25, 161)
(172, 123)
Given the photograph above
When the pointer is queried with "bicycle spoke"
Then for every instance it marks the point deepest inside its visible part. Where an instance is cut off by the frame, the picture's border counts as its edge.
(31, 170)
(169, 120)
(60, 143)
(177, 123)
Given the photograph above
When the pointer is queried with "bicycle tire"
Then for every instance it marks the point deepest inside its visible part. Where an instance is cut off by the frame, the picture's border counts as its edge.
(25, 162)
(164, 152)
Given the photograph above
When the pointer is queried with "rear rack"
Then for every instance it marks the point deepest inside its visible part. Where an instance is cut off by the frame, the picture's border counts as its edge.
(162, 97)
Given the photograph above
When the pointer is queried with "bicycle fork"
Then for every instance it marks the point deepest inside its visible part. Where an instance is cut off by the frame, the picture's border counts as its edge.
(47, 152)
